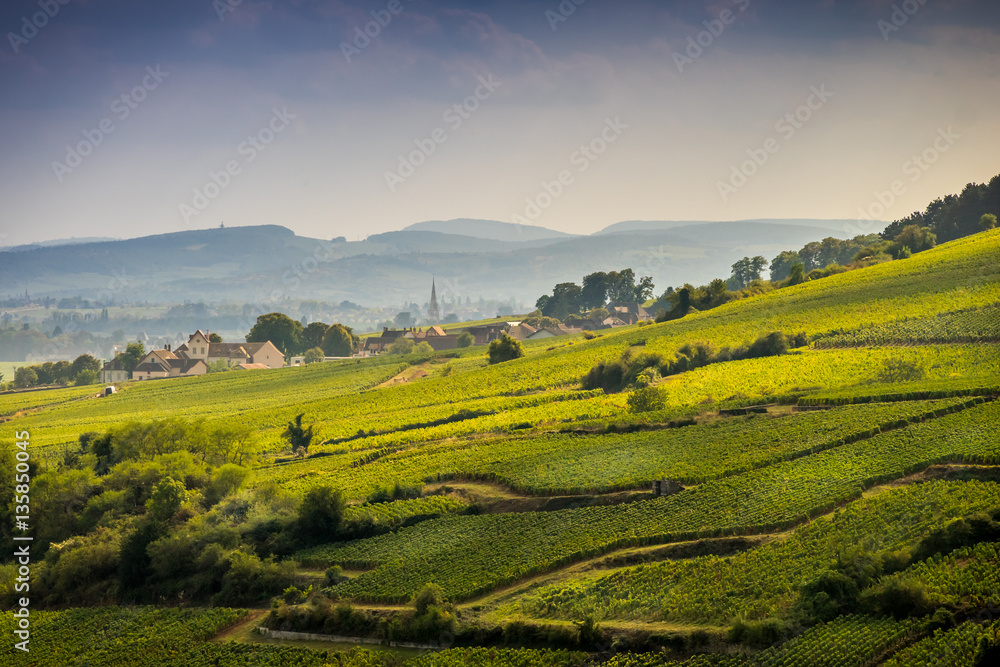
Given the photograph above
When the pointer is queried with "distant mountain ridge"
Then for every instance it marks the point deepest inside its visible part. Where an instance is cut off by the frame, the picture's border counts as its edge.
(478, 258)
(488, 229)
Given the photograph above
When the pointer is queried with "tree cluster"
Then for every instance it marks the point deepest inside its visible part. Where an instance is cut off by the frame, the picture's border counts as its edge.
(292, 338)
(642, 370)
(81, 371)
(954, 216)
(597, 290)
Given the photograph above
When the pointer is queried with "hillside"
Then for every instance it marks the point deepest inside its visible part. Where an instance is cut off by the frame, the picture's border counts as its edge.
(526, 499)
(269, 263)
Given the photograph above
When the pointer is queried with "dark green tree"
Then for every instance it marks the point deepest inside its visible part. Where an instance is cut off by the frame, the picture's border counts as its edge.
(782, 265)
(340, 341)
(594, 293)
(466, 339)
(283, 331)
(797, 274)
(644, 290)
(312, 335)
(684, 301)
(565, 300)
(621, 285)
(25, 377)
(133, 354)
(84, 362)
(916, 238)
(987, 221)
(134, 562)
(298, 436)
(214, 338)
(320, 514)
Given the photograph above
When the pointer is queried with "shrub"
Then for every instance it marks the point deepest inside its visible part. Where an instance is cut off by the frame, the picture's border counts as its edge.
(647, 399)
(900, 370)
(423, 348)
(85, 377)
(505, 349)
(827, 596)
(758, 633)
(897, 599)
(466, 339)
(314, 355)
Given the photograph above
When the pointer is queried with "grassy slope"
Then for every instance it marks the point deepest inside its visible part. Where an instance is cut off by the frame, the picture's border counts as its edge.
(959, 274)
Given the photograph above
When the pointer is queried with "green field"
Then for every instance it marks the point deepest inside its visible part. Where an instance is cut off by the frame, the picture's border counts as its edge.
(867, 458)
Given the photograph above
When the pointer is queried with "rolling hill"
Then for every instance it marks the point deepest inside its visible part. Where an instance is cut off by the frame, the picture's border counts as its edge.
(836, 503)
(476, 258)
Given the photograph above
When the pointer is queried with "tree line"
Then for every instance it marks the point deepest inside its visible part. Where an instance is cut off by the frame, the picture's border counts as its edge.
(596, 291)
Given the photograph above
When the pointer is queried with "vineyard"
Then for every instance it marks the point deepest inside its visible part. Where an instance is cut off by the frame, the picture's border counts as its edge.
(526, 501)
(757, 583)
(963, 646)
(979, 325)
(574, 464)
(966, 577)
(469, 555)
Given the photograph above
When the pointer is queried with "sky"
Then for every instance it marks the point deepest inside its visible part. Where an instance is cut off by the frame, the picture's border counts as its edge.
(339, 118)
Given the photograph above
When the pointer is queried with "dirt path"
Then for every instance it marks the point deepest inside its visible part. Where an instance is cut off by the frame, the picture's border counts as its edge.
(408, 374)
(243, 629)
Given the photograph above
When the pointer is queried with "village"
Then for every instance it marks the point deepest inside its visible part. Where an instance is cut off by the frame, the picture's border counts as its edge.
(205, 351)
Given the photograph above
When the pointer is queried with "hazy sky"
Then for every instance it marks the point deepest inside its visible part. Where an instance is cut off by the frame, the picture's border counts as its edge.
(122, 118)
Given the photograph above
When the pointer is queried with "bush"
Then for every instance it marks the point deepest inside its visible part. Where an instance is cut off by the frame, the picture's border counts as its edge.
(900, 370)
(758, 633)
(647, 399)
(401, 346)
(466, 339)
(321, 513)
(314, 355)
(827, 596)
(25, 377)
(897, 599)
(85, 377)
(166, 499)
(333, 576)
(423, 348)
(505, 349)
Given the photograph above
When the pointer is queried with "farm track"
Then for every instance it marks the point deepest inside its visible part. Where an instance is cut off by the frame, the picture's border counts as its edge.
(571, 570)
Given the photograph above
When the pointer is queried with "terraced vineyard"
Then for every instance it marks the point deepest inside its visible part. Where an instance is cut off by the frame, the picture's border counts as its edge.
(962, 646)
(468, 555)
(968, 576)
(140, 636)
(574, 464)
(757, 583)
(967, 326)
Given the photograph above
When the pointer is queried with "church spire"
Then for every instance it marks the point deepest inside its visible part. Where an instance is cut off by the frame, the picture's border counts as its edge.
(433, 311)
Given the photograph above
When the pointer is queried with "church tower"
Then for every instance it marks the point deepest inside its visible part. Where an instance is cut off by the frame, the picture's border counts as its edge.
(433, 310)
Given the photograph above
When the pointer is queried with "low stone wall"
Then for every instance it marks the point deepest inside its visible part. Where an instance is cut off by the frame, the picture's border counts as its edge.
(311, 636)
